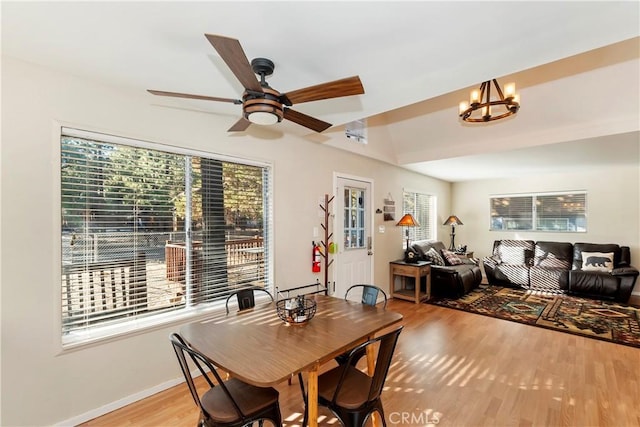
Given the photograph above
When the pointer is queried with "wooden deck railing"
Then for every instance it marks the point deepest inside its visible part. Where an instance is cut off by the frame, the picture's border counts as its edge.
(239, 253)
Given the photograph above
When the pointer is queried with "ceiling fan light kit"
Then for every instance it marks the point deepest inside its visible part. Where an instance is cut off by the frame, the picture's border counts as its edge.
(263, 108)
(262, 104)
(481, 108)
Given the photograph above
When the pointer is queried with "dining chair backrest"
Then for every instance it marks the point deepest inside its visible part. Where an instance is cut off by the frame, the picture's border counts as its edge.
(387, 346)
(183, 351)
(344, 388)
(219, 407)
(369, 297)
(246, 297)
(383, 362)
(369, 294)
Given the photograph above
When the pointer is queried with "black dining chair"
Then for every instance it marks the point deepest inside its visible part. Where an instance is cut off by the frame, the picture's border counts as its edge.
(230, 403)
(369, 294)
(246, 297)
(369, 297)
(351, 394)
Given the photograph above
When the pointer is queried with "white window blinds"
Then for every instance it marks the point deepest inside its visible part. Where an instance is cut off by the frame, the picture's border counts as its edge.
(147, 232)
(565, 212)
(422, 207)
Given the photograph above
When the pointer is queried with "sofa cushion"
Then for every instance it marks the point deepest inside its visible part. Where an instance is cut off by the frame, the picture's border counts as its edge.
(514, 274)
(593, 284)
(547, 279)
(433, 256)
(597, 261)
(553, 255)
(578, 248)
(451, 258)
(518, 252)
(423, 246)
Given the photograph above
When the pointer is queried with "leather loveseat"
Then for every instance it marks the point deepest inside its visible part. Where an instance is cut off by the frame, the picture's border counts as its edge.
(448, 280)
(586, 269)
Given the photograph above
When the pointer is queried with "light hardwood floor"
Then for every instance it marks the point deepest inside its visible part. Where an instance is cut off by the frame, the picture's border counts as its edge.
(458, 369)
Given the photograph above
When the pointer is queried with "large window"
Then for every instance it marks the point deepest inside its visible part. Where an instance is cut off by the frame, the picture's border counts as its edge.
(564, 212)
(151, 233)
(423, 208)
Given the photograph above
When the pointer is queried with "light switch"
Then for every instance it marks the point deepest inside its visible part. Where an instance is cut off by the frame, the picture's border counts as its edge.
(381, 229)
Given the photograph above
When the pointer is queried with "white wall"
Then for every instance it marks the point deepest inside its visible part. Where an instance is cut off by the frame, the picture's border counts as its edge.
(41, 385)
(613, 207)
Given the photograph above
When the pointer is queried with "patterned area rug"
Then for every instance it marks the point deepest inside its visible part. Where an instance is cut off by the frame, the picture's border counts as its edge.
(607, 321)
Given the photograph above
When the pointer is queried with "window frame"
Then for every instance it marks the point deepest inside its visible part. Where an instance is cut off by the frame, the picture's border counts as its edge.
(431, 225)
(188, 312)
(535, 218)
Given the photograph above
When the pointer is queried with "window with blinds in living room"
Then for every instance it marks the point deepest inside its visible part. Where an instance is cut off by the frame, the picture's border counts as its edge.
(564, 212)
(153, 233)
(423, 208)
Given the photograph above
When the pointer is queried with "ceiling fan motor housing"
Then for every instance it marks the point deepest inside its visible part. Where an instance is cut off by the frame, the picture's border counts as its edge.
(266, 102)
(262, 66)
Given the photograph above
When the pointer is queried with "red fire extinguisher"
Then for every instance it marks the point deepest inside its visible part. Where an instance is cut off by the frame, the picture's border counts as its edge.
(315, 259)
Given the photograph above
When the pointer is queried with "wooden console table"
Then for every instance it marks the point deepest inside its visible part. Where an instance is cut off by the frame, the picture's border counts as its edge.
(415, 270)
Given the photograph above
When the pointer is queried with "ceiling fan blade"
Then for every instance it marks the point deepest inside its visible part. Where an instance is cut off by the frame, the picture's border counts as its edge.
(335, 89)
(231, 52)
(190, 96)
(240, 125)
(306, 121)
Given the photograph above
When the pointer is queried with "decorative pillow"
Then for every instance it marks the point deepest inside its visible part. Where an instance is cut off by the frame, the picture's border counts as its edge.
(433, 256)
(451, 257)
(597, 261)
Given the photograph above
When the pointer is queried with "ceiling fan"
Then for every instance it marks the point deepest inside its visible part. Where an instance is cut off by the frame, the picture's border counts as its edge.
(262, 104)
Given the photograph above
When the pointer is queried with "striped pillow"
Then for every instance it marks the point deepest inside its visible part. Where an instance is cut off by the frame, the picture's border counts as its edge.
(451, 258)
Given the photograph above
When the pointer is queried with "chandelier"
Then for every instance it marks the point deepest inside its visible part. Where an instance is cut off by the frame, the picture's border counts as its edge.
(482, 109)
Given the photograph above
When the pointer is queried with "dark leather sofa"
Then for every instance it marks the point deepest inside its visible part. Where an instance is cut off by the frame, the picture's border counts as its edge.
(584, 269)
(450, 281)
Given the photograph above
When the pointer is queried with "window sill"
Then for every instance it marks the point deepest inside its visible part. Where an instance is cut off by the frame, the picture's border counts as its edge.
(83, 339)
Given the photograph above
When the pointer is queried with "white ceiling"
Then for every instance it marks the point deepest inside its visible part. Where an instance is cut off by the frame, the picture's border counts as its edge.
(416, 60)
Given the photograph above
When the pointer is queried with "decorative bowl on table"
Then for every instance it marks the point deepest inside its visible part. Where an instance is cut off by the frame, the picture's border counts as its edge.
(296, 311)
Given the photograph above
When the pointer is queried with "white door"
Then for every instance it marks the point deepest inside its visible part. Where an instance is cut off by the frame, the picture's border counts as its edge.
(352, 233)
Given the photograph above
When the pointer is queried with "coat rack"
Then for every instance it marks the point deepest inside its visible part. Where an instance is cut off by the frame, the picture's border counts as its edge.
(326, 242)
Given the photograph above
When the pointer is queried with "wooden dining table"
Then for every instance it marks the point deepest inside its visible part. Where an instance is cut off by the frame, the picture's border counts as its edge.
(257, 347)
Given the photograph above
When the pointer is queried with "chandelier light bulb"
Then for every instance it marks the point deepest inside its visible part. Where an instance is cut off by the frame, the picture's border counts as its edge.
(475, 97)
(509, 90)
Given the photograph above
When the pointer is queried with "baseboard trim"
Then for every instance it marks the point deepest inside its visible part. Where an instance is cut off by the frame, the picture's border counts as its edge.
(120, 403)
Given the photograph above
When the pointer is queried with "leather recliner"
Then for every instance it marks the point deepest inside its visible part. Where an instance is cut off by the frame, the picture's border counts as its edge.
(561, 267)
(450, 281)
(616, 284)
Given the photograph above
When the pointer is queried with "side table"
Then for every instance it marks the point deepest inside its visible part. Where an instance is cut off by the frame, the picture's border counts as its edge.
(416, 271)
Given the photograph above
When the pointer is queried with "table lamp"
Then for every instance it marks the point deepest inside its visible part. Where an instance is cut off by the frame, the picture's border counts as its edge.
(407, 221)
(453, 221)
